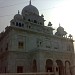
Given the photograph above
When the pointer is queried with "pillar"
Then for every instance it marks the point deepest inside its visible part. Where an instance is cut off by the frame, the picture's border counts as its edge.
(56, 71)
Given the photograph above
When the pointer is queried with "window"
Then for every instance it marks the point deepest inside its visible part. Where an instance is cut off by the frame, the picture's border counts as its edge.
(19, 24)
(34, 66)
(16, 23)
(19, 69)
(49, 65)
(35, 21)
(22, 25)
(20, 44)
(7, 47)
(28, 19)
(39, 43)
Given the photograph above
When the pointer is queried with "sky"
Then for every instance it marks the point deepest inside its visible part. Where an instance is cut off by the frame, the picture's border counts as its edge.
(56, 11)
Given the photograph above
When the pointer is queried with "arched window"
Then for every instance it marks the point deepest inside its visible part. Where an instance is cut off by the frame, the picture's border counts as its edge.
(67, 62)
(67, 68)
(49, 65)
(19, 24)
(60, 67)
(28, 19)
(34, 66)
(16, 23)
(35, 21)
(22, 25)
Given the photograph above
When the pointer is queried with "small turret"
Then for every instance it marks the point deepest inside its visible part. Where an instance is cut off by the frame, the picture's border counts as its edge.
(18, 16)
(70, 36)
(49, 24)
(60, 31)
(42, 15)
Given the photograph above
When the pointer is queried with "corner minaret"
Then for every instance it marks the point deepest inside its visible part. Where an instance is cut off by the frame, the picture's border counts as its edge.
(18, 12)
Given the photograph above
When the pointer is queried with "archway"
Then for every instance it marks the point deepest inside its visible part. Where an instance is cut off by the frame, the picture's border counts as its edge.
(34, 66)
(67, 68)
(60, 67)
(49, 65)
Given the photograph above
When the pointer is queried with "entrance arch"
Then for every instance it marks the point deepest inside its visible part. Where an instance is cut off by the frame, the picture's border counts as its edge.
(60, 67)
(49, 65)
(34, 66)
(67, 68)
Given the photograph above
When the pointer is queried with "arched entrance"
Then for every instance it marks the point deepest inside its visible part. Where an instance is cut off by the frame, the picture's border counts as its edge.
(67, 68)
(49, 65)
(34, 66)
(60, 67)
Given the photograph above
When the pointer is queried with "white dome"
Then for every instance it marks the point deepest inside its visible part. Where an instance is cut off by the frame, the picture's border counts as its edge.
(30, 9)
(59, 29)
(18, 16)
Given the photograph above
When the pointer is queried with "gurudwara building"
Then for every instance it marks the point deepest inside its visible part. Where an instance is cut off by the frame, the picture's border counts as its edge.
(27, 45)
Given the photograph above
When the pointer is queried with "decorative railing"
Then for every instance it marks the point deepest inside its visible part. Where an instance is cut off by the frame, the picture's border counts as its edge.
(40, 73)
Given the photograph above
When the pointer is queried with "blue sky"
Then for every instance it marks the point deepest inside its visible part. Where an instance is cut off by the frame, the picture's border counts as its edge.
(56, 11)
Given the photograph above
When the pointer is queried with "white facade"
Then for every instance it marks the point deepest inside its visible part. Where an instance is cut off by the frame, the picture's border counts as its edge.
(29, 46)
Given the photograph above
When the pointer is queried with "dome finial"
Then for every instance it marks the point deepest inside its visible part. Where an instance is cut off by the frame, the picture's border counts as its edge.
(59, 24)
(18, 12)
(30, 2)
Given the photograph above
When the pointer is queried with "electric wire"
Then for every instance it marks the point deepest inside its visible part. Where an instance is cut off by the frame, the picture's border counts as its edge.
(18, 4)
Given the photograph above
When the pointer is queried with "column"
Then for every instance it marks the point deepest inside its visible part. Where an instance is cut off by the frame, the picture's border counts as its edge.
(56, 71)
(63, 67)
